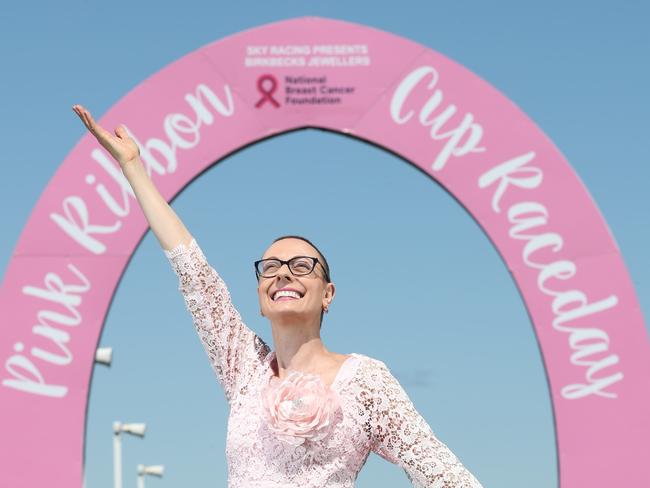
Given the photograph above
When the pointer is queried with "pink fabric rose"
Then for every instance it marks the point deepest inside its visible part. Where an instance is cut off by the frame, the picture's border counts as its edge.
(300, 407)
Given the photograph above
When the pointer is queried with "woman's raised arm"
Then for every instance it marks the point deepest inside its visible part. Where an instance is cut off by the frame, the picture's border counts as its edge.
(234, 350)
(165, 224)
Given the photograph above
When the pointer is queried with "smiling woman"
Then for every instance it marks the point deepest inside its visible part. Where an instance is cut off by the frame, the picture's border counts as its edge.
(299, 414)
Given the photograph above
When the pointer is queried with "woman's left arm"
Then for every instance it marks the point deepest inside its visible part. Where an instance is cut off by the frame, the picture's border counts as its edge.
(402, 436)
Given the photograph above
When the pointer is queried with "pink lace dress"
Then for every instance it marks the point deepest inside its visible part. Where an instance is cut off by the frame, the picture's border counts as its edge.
(297, 432)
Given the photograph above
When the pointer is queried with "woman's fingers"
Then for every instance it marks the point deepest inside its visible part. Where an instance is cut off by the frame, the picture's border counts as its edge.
(104, 137)
(89, 122)
(85, 117)
(79, 111)
(121, 133)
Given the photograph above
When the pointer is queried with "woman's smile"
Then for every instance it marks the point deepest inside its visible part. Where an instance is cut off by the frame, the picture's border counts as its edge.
(286, 294)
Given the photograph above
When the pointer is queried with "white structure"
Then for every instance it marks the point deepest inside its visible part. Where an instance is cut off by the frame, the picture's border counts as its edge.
(149, 470)
(104, 355)
(118, 428)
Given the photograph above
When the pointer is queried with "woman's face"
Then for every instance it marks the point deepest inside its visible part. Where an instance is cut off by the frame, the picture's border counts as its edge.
(314, 293)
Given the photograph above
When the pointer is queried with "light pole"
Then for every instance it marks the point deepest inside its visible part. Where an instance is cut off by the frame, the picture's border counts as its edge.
(149, 470)
(118, 428)
(103, 356)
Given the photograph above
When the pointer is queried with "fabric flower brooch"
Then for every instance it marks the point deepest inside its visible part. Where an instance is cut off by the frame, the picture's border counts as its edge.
(300, 407)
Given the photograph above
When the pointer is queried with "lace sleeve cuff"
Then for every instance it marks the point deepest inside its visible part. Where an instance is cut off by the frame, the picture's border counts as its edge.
(178, 250)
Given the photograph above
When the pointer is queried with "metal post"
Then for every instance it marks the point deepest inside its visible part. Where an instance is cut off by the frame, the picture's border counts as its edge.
(140, 476)
(117, 455)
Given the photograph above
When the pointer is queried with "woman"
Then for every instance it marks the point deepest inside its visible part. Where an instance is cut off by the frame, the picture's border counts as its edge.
(300, 415)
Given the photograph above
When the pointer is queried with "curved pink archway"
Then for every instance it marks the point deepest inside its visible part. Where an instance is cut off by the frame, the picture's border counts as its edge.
(314, 72)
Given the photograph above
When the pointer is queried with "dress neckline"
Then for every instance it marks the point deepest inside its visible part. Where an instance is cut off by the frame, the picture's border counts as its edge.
(340, 374)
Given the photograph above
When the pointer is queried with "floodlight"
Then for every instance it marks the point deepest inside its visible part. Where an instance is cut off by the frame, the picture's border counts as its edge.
(104, 355)
(143, 470)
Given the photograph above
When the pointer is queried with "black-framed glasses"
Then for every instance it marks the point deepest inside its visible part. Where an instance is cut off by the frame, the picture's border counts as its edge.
(298, 265)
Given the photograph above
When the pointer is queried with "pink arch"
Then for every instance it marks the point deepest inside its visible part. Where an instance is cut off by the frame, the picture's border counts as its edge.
(374, 86)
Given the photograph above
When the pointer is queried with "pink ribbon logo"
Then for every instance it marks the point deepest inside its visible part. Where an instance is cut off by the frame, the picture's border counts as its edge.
(267, 85)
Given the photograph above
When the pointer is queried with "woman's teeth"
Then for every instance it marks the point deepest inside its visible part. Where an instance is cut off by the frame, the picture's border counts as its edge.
(286, 294)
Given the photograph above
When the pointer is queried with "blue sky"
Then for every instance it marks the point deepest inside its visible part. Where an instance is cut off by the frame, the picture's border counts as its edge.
(459, 340)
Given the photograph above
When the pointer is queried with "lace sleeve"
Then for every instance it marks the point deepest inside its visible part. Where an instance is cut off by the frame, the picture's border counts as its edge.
(234, 350)
(400, 435)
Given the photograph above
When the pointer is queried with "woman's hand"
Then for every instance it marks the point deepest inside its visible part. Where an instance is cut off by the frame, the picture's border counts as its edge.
(122, 147)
